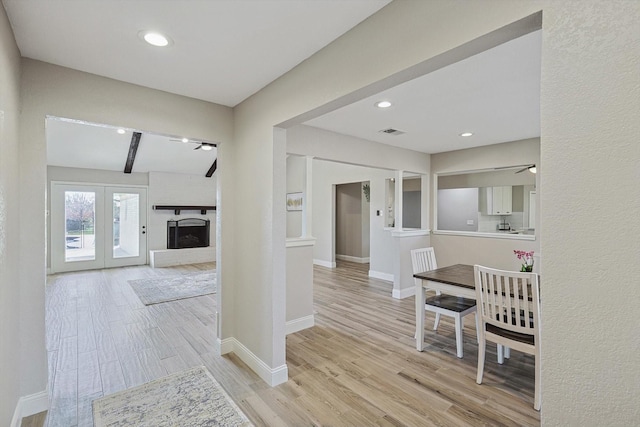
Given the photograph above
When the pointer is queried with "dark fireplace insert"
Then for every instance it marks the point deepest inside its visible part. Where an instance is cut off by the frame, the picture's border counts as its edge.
(188, 233)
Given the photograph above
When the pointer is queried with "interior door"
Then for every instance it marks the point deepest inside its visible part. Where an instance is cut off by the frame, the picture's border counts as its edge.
(94, 226)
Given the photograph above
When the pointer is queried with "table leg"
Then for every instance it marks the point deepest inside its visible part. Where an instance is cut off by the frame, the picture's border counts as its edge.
(420, 298)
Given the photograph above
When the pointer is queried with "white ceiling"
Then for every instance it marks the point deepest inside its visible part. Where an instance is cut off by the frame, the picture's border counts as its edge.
(223, 51)
(85, 145)
(226, 50)
(495, 95)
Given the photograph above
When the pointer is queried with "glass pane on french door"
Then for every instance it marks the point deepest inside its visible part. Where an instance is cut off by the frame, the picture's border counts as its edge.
(126, 225)
(96, 226)
(80, 220)
(77, 227)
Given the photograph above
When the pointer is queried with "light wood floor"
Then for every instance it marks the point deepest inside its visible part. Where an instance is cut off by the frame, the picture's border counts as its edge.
(357, 367)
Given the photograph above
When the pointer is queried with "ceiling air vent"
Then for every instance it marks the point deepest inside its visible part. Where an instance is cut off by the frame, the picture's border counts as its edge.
(392, 131)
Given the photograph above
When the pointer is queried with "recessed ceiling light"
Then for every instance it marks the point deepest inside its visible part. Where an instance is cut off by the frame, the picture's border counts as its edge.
(207, 147)
(155, 38)
(121, 131)
(185, 140)
(383, 104)
(466, 134)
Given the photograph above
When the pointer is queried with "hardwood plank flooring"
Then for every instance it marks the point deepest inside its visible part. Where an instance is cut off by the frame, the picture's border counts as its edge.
(357, 367)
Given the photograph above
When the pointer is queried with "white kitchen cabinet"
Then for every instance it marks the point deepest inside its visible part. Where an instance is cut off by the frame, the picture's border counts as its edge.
(499, 200)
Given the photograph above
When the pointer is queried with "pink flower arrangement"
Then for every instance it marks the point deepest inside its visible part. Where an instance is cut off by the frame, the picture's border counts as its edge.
(527, 260)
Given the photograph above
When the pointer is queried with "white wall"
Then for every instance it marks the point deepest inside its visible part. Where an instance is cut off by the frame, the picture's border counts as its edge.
(299, 282)
(403, 244)
(11, 382)
(321, 144)
(51, 90)
(590, 151)
(589, 122)
(590, 59)
(382, 159)
(178, 189)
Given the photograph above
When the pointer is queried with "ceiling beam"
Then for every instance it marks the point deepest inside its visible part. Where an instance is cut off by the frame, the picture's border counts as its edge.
(133, 148)
(212, 169)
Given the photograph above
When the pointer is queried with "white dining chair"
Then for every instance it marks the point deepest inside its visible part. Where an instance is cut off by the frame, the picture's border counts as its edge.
(424, 259)
(509, 316)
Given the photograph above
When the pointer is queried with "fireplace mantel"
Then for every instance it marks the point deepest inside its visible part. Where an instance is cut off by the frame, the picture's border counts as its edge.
(177, 208)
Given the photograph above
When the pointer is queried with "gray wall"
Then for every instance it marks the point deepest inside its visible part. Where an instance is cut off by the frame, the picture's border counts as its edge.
(14, 362)
(456, 206)
(411, 209)
(487, 178)
(299, 282)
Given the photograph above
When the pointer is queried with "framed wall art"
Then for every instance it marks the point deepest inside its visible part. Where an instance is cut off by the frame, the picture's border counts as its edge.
(294, 201)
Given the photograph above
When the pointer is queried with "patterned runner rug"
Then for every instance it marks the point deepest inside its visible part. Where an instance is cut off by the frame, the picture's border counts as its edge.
(162, 289)
(189, 398)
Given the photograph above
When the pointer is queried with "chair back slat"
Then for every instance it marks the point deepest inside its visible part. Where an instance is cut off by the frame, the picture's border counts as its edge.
(423, 259)
(508, 299)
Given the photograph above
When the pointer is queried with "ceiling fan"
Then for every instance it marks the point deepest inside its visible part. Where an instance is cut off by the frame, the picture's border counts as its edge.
(205, 146)
(531, 168)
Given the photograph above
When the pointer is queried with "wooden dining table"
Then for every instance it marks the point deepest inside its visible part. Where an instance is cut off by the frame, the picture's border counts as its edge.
(455, 280)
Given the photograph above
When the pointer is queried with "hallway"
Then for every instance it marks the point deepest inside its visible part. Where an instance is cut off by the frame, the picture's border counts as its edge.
(358, 366)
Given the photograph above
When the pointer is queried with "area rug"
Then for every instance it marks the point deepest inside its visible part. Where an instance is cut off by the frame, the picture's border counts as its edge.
(189, 398)
(162, 289)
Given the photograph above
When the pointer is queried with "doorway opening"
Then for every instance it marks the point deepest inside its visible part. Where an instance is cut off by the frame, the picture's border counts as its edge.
(352, 235)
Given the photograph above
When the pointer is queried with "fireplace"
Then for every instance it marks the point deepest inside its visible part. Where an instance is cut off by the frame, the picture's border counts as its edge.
(188, 233)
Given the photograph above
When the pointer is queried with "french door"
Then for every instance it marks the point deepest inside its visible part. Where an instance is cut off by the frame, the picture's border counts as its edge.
(96, 226)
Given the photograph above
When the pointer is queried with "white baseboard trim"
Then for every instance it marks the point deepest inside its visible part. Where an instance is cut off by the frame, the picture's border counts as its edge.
(30, 405)
(293, 242)
(272, 376)
(383, 276)
(403, 293)
(299, 324)
(359, 260)
(324, 263)
(226, 345)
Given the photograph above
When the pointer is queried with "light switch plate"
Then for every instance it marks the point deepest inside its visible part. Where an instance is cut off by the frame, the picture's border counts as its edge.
(469, 222)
